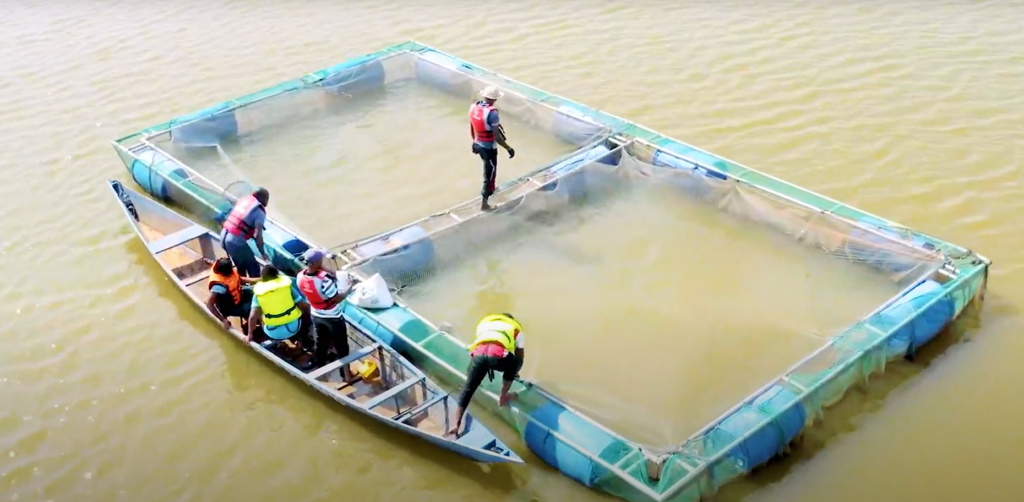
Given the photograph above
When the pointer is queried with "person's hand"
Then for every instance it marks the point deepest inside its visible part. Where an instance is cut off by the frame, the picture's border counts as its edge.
(248, 339)
(226, 323)
(504, 399)
(511, 152)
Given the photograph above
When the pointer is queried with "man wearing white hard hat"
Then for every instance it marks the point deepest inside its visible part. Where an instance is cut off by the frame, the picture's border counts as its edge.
(487, 134)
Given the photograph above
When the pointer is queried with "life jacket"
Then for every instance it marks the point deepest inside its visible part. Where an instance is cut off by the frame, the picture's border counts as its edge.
(478, 114)
(309, 285)
(497, 329)
(236, 223)
(232, 282)
(275, 300)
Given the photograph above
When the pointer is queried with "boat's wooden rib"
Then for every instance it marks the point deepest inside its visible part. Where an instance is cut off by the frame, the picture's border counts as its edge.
(399, 394)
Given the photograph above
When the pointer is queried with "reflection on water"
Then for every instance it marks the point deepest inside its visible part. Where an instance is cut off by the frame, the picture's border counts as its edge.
(908, 109)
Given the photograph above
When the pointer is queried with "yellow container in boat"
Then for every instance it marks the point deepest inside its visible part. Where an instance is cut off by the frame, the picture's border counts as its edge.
(368, 370)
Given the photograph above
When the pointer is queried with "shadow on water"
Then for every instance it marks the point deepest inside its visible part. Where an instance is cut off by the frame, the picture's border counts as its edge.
(245, 377)
(842, 417)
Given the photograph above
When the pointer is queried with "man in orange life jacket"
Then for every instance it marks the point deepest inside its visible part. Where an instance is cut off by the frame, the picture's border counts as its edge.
(228, 297)
(324, 291)
(486, 131)
(244, 222)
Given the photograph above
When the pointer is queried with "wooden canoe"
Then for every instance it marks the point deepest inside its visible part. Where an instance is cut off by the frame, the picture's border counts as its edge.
(399, 395)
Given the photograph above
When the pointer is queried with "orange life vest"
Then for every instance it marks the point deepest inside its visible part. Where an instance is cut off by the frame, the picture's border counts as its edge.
(235, 223)
(232, 282)
(478, 114)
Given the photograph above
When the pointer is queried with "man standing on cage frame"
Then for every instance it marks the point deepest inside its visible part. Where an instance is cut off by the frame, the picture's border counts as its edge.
(487, 132)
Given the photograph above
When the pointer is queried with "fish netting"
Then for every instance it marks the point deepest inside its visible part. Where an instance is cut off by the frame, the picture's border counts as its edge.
(465, 229)
(762, 425)
(183, 161)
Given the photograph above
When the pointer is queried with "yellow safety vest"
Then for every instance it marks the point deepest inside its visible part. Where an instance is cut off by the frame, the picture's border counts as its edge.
(497, 329)
(275, 300)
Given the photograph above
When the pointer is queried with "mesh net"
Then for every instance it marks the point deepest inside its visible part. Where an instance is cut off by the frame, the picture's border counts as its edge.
(466, 230)
(184, 162)
(763, 424)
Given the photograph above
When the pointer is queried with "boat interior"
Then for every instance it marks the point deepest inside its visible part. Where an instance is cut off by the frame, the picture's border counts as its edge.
(383, 382)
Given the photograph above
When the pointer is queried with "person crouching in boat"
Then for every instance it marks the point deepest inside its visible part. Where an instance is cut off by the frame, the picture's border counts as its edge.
(498, 347)
(325, 292)
(244, 222)
(228, 295)
(278, 306)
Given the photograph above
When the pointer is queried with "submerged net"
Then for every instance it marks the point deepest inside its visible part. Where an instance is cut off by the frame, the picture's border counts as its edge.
(324, 142)
(465, 230)
(934, 291)
(762, 425)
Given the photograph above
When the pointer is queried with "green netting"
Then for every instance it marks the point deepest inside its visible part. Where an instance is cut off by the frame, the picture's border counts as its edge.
(938, 278)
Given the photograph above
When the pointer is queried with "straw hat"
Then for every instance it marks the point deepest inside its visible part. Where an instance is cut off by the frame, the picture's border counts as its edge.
(491, 92)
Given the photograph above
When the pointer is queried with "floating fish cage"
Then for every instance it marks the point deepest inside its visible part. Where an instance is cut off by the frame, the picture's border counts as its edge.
(937, 279)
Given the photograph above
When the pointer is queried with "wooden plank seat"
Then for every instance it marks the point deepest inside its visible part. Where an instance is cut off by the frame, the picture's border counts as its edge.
(177, 238)
(349, 359)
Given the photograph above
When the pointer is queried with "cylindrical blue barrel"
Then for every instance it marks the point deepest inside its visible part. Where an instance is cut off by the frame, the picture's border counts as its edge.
(878, 251)
(152, 176)
(442, 71)
(768, 441)
(926, 323)
(561, 456)
(362, 77)
(665, 159)
(575, 127)
(405, 264)
(575, 185)
(396, 317)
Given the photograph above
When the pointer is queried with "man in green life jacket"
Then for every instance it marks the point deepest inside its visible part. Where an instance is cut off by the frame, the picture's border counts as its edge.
(498, 347)
(278, 306)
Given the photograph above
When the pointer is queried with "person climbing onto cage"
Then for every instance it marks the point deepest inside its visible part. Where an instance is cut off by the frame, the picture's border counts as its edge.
(487, 132)
(498, 347)
(244, 222)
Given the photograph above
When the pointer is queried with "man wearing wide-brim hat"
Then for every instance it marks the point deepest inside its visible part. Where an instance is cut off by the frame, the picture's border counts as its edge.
(487, 134)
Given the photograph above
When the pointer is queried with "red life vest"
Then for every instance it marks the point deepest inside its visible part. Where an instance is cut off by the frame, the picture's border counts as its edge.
(308, 286)
(478, 114)
(235, 223)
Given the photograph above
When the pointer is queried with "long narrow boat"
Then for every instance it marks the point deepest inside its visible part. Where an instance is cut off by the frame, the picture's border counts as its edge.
(400, 395)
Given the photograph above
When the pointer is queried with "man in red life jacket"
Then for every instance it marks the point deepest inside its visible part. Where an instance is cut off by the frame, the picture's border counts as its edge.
(325, 292)
(244, 222)
(487, 132)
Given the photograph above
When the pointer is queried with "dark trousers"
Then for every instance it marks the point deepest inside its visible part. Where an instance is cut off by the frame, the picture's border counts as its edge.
(331, 333)
(489, 156)
(241, 255)
(303, 336)
(482, 366)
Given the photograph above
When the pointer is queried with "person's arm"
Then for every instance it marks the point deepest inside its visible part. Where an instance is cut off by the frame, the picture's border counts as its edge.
(472, 134)
(249, 280)
(255, 315)
(259, 220)
(211, 305)
(300, 301)
(499, 132)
